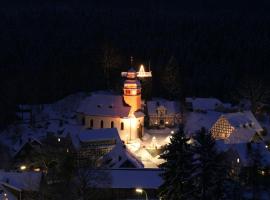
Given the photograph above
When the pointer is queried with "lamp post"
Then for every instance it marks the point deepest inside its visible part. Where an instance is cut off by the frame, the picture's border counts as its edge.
(140, 191)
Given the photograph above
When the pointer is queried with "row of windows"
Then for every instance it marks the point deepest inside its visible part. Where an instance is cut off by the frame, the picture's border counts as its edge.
(102, 124)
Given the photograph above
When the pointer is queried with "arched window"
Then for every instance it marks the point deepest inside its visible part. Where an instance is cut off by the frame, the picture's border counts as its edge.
(101, 124)
(91, 123)
(122, 126)
(112, 124)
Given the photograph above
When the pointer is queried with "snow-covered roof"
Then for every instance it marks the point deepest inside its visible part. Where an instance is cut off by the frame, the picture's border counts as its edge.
(104, 105)
(241, 135)
(88, 135)
(240, 119)
(29, 181)
(172, 107)
(118, 156)
(195, 121)
(133, 178)
(19, 145)
(243, 150)
(204, 103)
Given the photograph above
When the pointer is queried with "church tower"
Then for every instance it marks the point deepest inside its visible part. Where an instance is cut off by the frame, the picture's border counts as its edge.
(132, 90)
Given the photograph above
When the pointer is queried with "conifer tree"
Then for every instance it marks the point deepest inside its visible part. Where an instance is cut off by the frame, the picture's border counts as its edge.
(255, 162)
(210, 171)
(178, 169)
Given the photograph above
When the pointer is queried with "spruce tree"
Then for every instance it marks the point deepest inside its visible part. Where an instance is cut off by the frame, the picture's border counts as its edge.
(178, 169)
(210, 171)
(255, 165)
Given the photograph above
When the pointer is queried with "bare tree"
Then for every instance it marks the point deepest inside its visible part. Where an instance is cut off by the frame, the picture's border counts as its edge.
(253, 90)
(91, 181)
(110, 61)
(170, 79)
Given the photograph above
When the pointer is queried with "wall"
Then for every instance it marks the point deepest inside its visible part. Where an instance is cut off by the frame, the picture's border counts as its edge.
(130, 130)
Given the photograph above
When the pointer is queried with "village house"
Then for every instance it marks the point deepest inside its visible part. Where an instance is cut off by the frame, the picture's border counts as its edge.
(104, 148)
(239, 127)
(116, 185)
(20, 185)
(94, 144)
(198, 104)
(163, 113)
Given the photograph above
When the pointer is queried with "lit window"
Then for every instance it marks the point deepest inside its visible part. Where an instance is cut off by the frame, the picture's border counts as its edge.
(133, 92)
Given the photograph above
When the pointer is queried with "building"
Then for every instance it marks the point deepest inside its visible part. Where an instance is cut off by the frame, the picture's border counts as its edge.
(115, 111)
(203, 104)
(104, 148)
(122, 183)
(239, 127)
(163, 113)
(95, 144)
(20, 185)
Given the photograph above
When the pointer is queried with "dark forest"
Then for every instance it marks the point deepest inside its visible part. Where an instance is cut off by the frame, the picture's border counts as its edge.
(50, 49)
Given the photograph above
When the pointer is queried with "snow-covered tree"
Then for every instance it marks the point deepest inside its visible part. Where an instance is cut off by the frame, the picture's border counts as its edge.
(178, 169)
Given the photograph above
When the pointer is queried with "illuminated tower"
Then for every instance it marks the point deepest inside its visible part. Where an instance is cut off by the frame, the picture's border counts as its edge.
(132, 90)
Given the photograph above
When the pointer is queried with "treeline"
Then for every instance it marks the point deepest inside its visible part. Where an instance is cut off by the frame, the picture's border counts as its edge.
(51, 49)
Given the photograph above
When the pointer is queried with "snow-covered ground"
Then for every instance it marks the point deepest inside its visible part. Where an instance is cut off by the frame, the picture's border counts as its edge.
(60, 119)
(149, 148)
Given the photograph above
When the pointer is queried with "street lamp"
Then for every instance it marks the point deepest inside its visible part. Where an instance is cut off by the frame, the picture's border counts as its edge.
(140, 191)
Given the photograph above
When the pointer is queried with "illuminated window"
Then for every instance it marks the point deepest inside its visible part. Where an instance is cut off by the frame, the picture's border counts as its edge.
(112, 124)
(127, 92)
(133, 92)
(122, 126)
(101, 124)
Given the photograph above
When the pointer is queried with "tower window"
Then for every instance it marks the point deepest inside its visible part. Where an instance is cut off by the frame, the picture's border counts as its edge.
(122, 126)
(83, 120)
(91, 123)
(101, 124)
(112, 124)
(127, 92)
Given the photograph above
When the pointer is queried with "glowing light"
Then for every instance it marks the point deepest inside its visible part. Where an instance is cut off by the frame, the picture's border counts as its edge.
(22, 167)
(172, 132)
(266, 146)
(143, 73)
(139, 190)
(59, 139)
(133, 92)
(37, 169)
(190, 141)
(238, 160)
(262, 172)
(166, 122)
